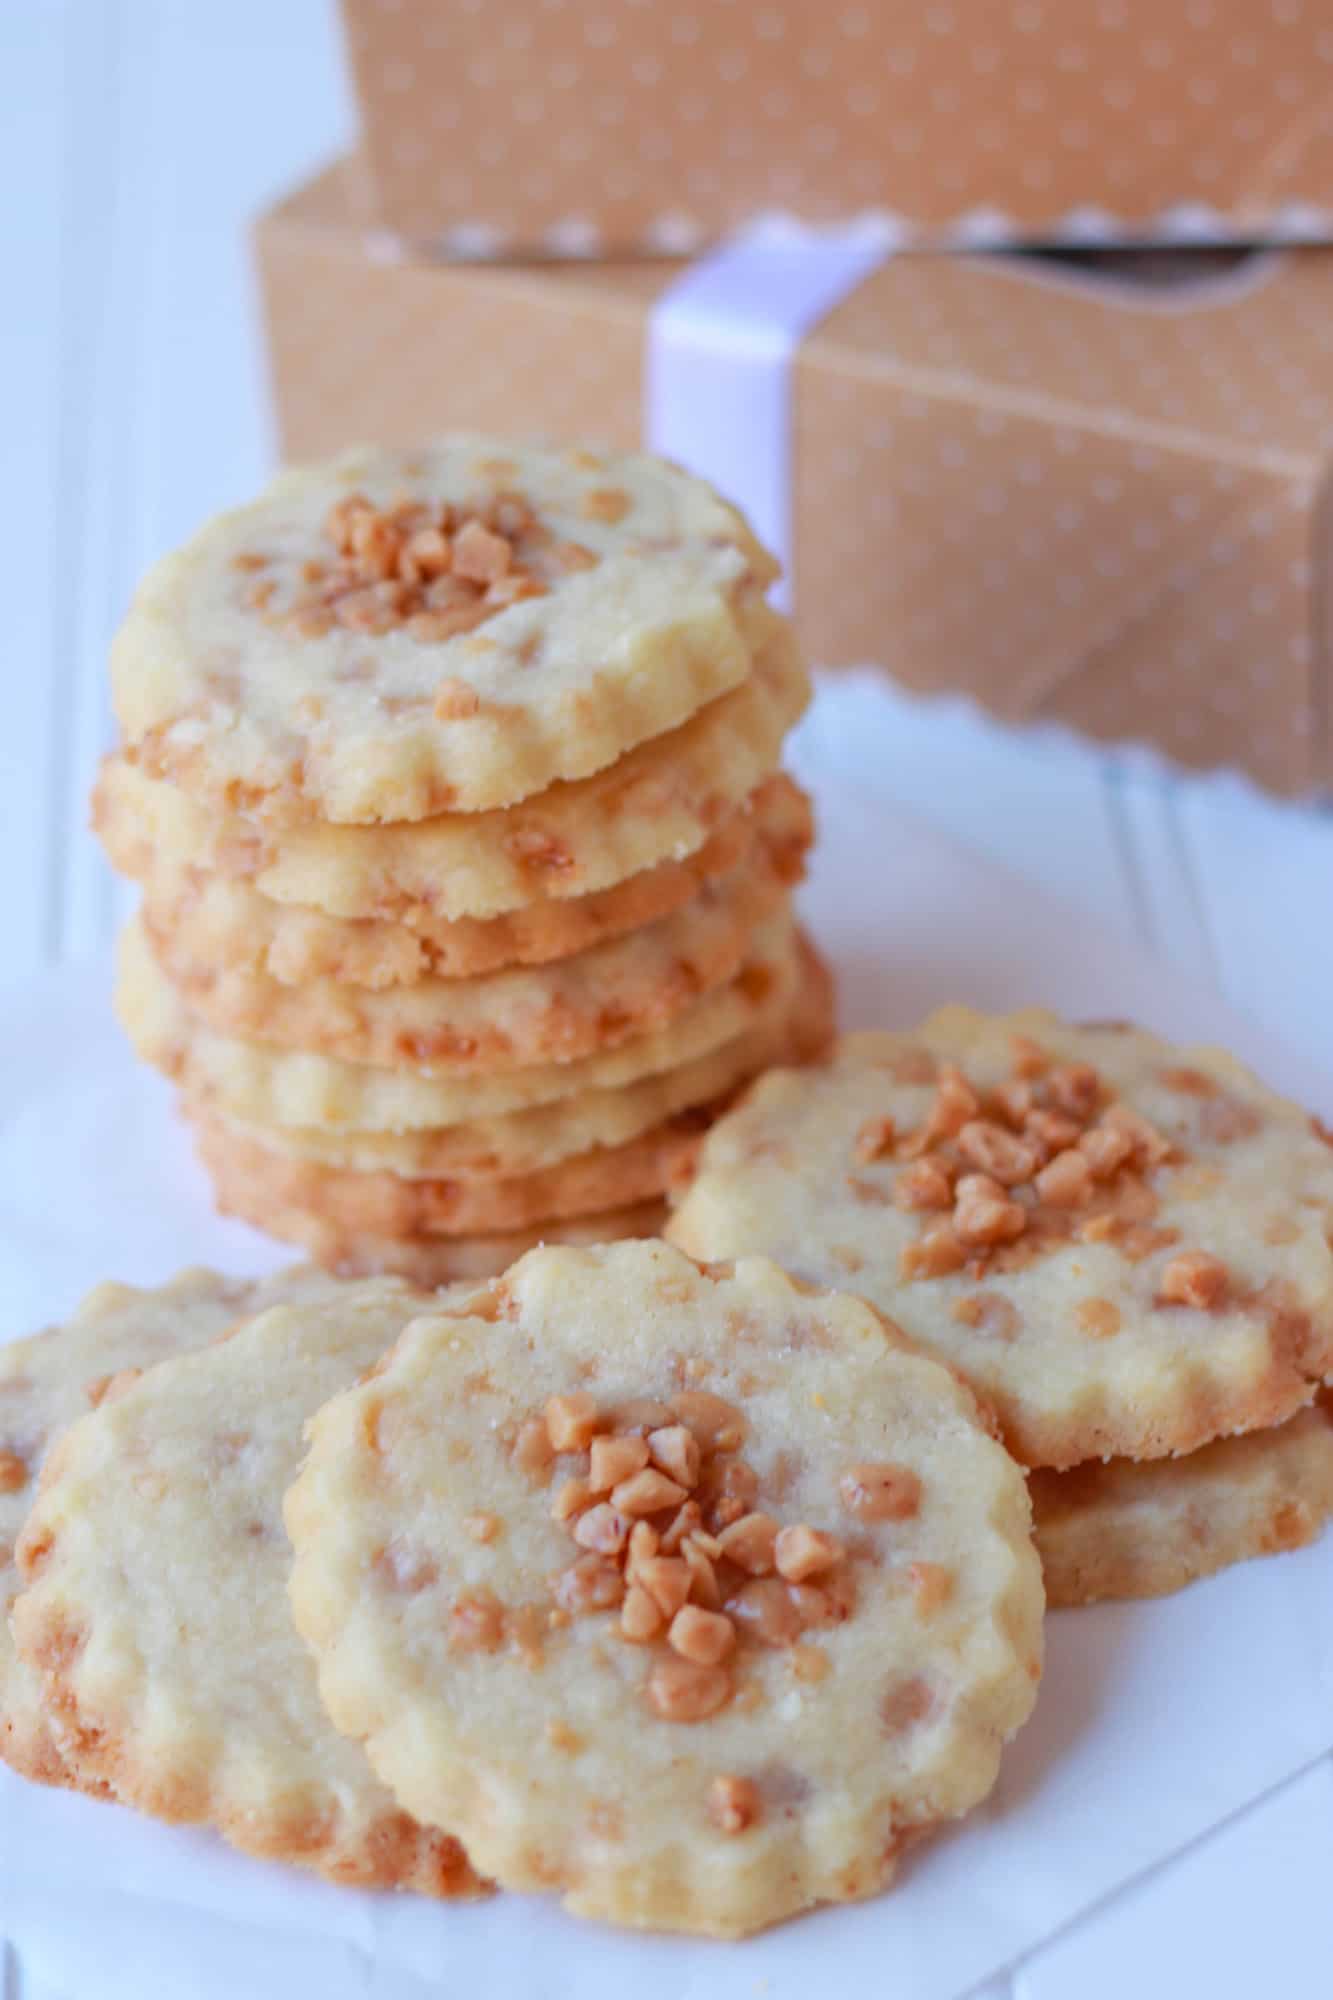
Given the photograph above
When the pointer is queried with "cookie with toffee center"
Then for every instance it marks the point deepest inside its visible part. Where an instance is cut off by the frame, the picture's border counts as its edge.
(219, 920)
(1123, 1245)
(1115, 1528)
(661, 802)
(394, 634)
(50, 1379)
(155, 1607)
(255, 1083)
(691, 1595)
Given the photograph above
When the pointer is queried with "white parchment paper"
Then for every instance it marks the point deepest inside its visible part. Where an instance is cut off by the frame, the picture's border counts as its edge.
(1155, 1721)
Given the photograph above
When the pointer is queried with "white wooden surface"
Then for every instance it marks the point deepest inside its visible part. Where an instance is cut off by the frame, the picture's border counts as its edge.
(136, 139)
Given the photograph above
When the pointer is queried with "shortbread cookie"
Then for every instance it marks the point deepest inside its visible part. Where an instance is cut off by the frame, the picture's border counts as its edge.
(219, 920)
(50, 1379)
(269, 1188)
(691, 1595)
(1123, 1245)
(390, 635)
(660, 802)
(504, 1020)
(432, 1261)
(526, 1142)
(1119, 1529)
(254, 1083)
(155, 1607)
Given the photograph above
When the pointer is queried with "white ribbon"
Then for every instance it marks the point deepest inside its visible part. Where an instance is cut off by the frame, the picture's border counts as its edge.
(717, 389)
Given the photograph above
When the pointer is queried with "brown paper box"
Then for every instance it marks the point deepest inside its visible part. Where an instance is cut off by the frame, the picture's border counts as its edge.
(611, 125)
(1103, 504)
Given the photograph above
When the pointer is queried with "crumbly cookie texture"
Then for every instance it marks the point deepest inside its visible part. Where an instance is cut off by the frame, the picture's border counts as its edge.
(502, 1020)
(1120, 1529)
(252, 1082)
(391, 635)
(50, 1379)
(693, 1595)
(788, 1028)
(220, 920)
(155, 1606)
(1123, 1245)
(660, 802)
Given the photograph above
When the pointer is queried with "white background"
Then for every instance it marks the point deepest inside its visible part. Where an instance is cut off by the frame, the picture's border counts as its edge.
(137, 138)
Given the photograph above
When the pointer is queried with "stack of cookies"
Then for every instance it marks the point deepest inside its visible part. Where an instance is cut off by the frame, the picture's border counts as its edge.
(1124, 1247)
(451, 779)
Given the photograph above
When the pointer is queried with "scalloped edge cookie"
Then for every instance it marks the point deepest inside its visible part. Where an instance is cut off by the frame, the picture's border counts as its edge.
(291, 659)
(660, 802)
(516, 1018)
(155, 1606)
(254, 1083)
(1124, 1245)
(221, 920)
(788, 1028)
(614, 1766)
(47, 1381)
(1123, 1529)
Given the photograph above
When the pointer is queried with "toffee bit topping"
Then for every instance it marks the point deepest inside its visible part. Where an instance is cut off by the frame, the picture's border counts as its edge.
(1195, 1279)
(997, 1153)
(602, 1529)
(538, 851)
(704, 1636)
(937, 1254)
(641, 1616)
(571, 1421)
(476, 1623)
(13, 1472)
(733, 1804)
(713, 1421)
(810, 1664)
(674, 1451)
(1011, 1166)
(533, 1449)
(1099, 1317)
(988, 1312)
(932, 1586)
(606, 503)
(751, 1543)
(454, 700)
(663, 1513)
(923, 1185)
(1029, 1057)
(613, 1459)
(880, 1492)
(804, 1552)
(686, 1690)
(573, 556)
(905, 1703)
(874, 1139)
(429, 568)
(1066, 1181)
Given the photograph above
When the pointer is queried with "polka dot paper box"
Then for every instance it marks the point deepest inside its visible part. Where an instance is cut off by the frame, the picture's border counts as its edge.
(1094, 497)
(601, 126)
